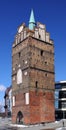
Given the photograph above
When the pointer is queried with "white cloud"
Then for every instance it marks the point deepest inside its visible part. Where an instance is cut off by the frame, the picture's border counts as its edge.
(2, 88)
(0, 103)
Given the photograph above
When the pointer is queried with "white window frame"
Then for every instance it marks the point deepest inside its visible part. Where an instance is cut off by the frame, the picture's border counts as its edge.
(13, 101)
(26, 98)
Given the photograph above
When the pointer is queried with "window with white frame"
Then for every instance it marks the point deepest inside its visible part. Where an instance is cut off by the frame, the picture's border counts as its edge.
(13, 101)
(26, 98)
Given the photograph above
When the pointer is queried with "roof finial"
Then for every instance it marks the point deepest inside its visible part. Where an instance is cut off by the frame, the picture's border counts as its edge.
(31, 20)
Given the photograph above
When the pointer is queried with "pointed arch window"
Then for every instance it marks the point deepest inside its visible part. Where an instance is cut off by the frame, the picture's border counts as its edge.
(19, 76)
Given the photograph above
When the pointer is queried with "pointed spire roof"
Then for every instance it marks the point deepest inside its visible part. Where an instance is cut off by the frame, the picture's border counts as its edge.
(32, 20)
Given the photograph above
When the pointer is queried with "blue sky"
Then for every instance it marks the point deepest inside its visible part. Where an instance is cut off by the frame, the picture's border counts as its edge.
(52, 13)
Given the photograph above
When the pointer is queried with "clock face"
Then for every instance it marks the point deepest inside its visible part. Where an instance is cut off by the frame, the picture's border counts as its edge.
(20, 29)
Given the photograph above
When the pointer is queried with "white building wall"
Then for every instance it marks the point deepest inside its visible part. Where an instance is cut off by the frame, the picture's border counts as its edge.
(10, 100)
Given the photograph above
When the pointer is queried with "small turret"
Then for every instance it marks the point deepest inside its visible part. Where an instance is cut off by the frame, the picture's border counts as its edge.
(32, 21)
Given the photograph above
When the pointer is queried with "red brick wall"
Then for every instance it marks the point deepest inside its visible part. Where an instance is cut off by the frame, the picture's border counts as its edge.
(40, 108)
(41, 104)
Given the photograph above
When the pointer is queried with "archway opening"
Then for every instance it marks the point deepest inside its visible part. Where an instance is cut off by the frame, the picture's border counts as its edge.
(20, 117)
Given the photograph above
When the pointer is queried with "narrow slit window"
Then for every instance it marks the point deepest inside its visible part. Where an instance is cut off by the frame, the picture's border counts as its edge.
(39, 36)
(46, 75)
(36, 84)
(19, 54)
(41, 52)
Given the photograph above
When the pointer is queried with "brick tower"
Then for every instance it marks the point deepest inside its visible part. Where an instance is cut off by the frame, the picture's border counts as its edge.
(33, 74)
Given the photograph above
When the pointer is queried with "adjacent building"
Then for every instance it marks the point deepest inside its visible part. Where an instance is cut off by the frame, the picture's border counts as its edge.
(8, 101)
(33, 76)
(60, 100)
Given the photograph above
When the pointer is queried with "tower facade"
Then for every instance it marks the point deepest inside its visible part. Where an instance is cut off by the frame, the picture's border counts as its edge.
(33, 75)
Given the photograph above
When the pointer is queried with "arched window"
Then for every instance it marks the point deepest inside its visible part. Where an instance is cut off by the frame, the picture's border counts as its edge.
(19, 76)
(20, 114)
